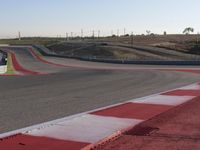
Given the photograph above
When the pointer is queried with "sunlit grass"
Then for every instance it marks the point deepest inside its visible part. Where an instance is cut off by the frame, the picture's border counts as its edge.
(10, 68)
(29, 41)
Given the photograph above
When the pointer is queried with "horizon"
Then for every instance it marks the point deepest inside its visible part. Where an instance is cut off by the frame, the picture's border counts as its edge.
(64, 37)
(56, 18)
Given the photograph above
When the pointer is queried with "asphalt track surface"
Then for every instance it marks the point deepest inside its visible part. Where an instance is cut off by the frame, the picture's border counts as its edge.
(64, 91)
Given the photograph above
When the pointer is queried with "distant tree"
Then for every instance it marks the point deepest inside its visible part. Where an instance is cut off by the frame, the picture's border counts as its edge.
(113, 36)
(152, 34)
(126, 35)
(148, 32)
(188, 30)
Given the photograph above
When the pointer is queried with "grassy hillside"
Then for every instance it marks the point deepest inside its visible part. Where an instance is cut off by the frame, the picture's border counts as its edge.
(29, 41)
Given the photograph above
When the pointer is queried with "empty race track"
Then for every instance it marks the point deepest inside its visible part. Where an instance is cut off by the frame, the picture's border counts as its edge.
(66, 87)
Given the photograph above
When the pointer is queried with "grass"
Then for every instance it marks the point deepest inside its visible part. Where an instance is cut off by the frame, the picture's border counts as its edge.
(30, 41)
(10, 68)
(123, 54)
(92, 50)
(193, 47)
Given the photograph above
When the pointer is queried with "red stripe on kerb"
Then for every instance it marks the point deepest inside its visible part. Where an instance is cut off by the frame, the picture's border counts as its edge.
(44, 61)
(134, 111)
(190, 71)
(183, 93)
(18, 67)
(26, 142)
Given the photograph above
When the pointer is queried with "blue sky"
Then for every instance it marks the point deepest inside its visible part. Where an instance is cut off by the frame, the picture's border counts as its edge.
(56, 17)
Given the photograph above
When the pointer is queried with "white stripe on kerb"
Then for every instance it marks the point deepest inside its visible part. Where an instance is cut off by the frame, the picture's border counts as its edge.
(164, 100)
(87, 128)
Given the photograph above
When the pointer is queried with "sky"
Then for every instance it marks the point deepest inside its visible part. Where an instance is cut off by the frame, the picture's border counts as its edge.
(58, 17)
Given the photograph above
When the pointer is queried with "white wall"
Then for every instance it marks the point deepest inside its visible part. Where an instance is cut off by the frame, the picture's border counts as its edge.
(2, 45)
(3, 69)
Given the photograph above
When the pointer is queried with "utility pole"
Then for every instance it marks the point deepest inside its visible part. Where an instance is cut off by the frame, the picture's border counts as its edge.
(72, 35)
(66, 36)
(98, 34)
(93, 36)
(81, 33)
(19, 35)
(132, 38)
(124, 31)
(118, 32)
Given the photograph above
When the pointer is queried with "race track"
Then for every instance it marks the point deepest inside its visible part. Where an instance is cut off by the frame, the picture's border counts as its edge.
(76, 87)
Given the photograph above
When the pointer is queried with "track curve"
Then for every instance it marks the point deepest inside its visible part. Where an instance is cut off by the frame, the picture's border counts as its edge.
(69, 90)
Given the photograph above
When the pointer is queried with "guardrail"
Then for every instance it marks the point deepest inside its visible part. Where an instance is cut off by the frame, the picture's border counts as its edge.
(121, 61)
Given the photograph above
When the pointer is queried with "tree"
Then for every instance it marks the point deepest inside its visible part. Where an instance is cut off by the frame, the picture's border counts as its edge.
(126, 35)
(188, 30)
(148, 32)
(113, 36)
